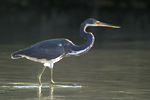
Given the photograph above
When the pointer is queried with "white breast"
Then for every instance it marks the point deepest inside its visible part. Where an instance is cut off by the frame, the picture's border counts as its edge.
(44, 61)
(79, 52)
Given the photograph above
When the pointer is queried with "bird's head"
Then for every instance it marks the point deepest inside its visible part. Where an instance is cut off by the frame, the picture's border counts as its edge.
(94, 22)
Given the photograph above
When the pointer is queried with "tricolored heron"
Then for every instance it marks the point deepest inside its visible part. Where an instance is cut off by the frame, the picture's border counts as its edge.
(51, 51)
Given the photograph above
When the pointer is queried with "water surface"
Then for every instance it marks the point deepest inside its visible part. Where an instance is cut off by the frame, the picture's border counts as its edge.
(109, 71)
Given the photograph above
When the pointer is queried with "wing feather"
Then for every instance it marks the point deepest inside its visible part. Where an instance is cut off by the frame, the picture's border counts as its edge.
(49, 49)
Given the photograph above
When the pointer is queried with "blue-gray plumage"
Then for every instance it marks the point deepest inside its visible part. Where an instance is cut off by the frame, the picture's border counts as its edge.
(50, 51)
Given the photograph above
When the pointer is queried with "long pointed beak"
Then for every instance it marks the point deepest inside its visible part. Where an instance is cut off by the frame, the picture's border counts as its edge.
(107, 25)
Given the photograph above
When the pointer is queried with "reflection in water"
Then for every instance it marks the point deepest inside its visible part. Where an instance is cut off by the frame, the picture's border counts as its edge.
(51, 92)
(40, 93)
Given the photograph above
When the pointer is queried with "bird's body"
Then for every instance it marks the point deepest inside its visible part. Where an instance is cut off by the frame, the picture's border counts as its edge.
(50, 51)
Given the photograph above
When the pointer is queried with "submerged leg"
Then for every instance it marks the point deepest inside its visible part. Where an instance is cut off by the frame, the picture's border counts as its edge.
(39, 76)
(55, 83)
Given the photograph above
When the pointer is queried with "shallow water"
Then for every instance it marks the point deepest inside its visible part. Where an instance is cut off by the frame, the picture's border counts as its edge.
(109, 71)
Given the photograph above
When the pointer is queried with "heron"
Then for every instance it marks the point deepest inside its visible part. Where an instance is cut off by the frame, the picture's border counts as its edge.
(51, 51)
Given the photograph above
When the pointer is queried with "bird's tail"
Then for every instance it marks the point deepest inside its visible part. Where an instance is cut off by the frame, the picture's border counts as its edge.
(16, 55)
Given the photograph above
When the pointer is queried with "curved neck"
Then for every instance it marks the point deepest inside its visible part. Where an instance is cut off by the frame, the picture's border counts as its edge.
(77, 50)
(86, 35)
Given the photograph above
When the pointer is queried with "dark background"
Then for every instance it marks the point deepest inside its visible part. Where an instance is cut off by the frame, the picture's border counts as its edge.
(31, 21)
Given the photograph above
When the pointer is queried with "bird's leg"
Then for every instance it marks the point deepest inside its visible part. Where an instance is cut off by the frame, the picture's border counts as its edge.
(51, 76)
(39, 76)
(56, 83)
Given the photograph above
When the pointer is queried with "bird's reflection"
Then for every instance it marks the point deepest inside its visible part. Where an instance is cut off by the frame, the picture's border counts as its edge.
(51, 91)
(39, 92)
